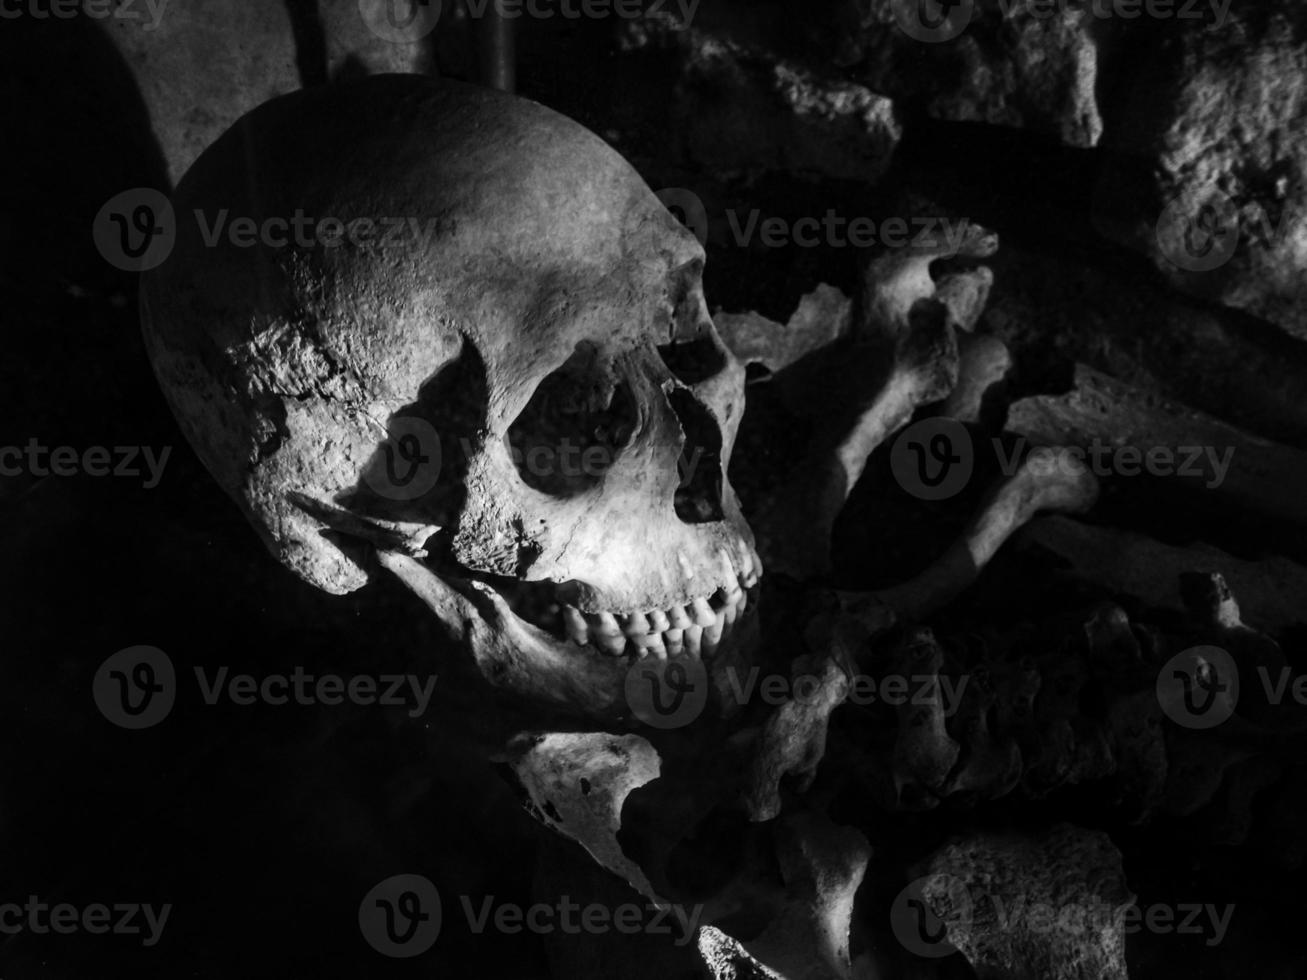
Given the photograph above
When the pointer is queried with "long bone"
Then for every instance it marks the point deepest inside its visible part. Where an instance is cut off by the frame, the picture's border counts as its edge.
(910, 320)
(1066, 486)
(796, 525)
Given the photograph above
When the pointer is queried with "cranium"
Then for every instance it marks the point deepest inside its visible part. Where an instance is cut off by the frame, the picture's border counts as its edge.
(478, 292)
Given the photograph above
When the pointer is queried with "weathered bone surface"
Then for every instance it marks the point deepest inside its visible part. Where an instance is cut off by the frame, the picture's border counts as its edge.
(507, 308)
(1270, 590)
(249, 55)
(1102, 412)
(1069, 488)
(251, 52)
(727, 959)
(736, 109)
(983, 368)
(823, 317)
(822, 865)
(577, 783)
(793, 741)
(354, 49)
(1051, 907)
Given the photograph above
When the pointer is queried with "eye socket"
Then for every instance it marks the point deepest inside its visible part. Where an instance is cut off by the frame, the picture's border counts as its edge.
(573, 429)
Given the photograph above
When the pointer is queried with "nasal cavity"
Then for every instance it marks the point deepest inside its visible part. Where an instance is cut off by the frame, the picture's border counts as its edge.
(699, 490)
(692, 352)
(693, 360)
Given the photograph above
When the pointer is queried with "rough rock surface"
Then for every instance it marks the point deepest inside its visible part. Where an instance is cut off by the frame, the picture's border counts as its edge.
(354, 48)
(248, 53)
(1027, 68)
(1065, 305)
(742, 109)
(252, 52)
(1214, 162)
(1029, 903)
(1036, 72)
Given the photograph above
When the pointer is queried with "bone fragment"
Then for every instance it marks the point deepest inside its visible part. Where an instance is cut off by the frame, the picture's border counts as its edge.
(1262, 476)
(1270, 591)
(1073, 879)
(822, 865)
(1035, 487)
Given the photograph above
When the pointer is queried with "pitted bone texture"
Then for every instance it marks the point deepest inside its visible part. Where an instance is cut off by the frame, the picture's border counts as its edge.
(1051, 906)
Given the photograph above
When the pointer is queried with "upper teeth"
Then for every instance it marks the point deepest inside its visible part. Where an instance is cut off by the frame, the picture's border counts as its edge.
(695, 628)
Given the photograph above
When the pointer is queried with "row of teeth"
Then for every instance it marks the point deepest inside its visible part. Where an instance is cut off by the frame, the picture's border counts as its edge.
(696, 629)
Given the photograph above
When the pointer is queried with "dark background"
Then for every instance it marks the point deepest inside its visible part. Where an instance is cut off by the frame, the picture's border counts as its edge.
(264, 826)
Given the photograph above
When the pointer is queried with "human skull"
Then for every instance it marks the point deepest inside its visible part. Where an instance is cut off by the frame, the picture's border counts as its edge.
(404, 306)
